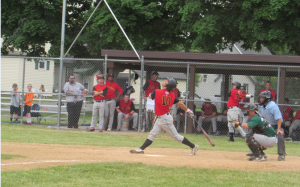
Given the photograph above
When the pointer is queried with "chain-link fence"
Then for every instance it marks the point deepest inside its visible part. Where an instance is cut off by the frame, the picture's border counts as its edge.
(203, 87)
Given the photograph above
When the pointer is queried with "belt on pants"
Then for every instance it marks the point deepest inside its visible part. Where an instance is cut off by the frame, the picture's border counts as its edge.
(164, 114)
(99, 101)
(232, 107)
(108, 99)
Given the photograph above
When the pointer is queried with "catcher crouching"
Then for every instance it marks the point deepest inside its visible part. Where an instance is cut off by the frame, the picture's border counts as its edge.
(264, 136)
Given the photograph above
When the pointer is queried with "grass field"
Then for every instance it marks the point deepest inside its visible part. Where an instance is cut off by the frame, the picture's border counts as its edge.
(134, 174)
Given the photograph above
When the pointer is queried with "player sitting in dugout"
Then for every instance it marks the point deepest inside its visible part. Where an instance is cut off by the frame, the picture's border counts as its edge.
(264, 134)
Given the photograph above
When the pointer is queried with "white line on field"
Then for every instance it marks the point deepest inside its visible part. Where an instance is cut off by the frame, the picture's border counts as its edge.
(154, 155)
(46, 161)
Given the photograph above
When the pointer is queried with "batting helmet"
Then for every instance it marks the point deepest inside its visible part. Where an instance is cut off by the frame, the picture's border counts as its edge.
(171, 84)
(266, 94)
(250, 106)
(238, 85)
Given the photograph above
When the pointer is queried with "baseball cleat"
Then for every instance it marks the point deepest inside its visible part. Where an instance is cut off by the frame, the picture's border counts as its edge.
(91, 130)
(194, 150)
(108, 129)
(260, 159)
(137, 151)
(281, 158)
(250, 154)
(27, 123)
(100, 130)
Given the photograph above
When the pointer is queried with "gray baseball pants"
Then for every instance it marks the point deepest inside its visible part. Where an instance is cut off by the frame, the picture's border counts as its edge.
(121, 116)
(165, 122)
(98, 108)
(233, 113)
(110, 112)
(206, 120)
(294, 125)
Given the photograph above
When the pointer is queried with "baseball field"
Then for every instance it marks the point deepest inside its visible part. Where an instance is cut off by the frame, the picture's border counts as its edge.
(41, 156)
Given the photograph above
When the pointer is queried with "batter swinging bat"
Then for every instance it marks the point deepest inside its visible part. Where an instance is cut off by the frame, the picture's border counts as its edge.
(206, 135)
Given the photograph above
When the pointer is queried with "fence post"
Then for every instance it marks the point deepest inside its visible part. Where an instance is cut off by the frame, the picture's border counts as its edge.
(141, 95)
(23, 85)
(278, 85)
(186, 95)
(105, 68)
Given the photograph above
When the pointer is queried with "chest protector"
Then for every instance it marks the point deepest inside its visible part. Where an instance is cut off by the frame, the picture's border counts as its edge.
(258, 130)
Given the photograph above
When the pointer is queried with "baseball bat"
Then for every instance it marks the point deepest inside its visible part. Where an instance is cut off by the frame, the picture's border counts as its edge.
(206, 135)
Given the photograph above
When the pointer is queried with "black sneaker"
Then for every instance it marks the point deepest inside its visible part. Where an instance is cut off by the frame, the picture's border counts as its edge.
(281, 158)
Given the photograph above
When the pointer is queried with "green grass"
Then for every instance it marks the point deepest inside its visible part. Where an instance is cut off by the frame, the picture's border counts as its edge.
(6, 156)
(138, 174)
(44, 135)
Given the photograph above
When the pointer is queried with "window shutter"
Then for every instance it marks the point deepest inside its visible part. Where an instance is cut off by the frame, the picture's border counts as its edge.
(48, 65)
(36, 65)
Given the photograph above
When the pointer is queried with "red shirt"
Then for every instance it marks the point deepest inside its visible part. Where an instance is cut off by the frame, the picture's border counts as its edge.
(297, 116)
(287, 112)
(241, 106)
(209, 111)
(99, 88)
(235, 97)
(112, 89)
(152, 86)
(176, 92)
(125, 107)
(163, 101)
(272, 92)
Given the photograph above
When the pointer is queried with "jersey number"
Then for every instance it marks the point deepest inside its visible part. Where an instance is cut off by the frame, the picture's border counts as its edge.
(166, 100)
(238, 97)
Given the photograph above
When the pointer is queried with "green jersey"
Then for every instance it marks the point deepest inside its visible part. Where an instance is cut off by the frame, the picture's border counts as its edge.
(257, 121)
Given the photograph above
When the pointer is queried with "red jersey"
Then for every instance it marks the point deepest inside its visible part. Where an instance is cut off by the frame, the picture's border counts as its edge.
(235, 97)
(112, 89)
(287, 112)
(297, 116)
(272, 92)
(99, 88)
(176, 92)
(241, 106)
(152, 86)
(125, 107)
(209, 111)
(163, 101)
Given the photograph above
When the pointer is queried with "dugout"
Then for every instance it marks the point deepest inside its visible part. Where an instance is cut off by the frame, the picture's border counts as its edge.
(279, 66)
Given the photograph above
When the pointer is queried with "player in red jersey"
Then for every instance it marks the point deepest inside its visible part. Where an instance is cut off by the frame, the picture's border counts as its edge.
(235, 96)
(164, 99)
(268, 88)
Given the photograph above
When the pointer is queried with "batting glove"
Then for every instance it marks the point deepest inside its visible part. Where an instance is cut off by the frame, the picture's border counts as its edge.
(190, 113)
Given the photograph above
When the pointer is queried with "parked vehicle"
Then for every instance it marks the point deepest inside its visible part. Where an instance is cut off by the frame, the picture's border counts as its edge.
(198, 100)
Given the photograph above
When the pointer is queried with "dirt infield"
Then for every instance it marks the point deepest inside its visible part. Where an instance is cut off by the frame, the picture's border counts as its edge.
(47, 155)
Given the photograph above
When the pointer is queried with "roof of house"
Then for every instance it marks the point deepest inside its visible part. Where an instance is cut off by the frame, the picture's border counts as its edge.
(265, 50)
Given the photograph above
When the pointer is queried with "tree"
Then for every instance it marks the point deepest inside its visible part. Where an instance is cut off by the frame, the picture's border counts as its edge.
(217, 24)
(28, 24)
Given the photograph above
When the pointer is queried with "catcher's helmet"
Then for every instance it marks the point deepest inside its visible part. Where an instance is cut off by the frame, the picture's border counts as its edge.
(171, 85)
(238, 85)
(250, 106)
(266, 94)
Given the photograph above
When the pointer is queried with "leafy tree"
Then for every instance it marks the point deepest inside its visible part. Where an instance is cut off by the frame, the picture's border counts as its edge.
(28, 24)
(217, 24)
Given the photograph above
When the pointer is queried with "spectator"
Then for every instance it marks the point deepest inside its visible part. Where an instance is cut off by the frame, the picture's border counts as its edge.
(28, 103)
(269, 110)
(99, 93)
(148, 88)
(288, 113)
(174, 108)
(208, 114)
(125, 111)
(42, 89)
(222, 118)
(294, 125)
(180, 118)
(74, 95)
(111, 100)
(14, 103)
(268, 88)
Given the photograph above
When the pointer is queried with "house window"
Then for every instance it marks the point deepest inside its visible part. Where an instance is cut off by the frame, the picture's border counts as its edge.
(246, 87)
(205, 78)
(42, 65)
